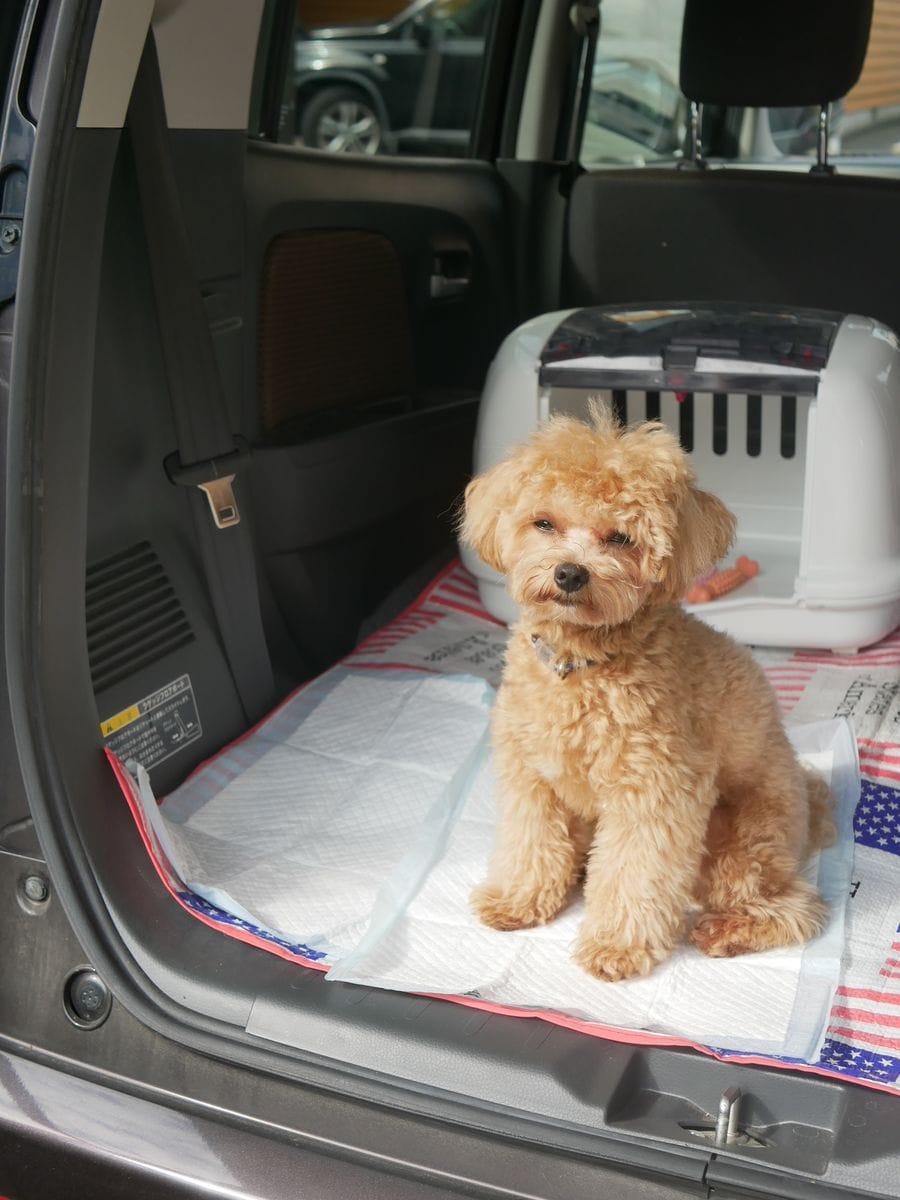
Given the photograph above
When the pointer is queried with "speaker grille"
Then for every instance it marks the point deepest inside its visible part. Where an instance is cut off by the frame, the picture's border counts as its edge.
(134, 616)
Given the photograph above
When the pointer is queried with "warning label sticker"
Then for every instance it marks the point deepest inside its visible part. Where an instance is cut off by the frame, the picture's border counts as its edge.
(156, 727)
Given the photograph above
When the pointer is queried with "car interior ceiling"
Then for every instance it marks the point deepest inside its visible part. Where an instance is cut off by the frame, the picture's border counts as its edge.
(357, 391)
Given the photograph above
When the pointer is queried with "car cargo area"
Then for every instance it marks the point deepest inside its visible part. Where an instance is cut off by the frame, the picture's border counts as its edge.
(232, 338)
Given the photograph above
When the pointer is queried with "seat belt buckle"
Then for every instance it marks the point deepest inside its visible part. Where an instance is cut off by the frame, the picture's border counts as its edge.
(222, 503)
(214, 477)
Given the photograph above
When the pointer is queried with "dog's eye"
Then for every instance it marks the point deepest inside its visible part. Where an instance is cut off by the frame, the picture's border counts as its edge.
(619, 539)
(545, 525)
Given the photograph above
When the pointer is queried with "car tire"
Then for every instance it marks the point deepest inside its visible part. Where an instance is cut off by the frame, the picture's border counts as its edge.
(342, 120)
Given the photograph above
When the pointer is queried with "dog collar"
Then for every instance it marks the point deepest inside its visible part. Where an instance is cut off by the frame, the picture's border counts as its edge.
(562, 667)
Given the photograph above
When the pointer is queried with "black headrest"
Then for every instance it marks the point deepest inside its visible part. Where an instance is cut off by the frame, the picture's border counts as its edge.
(768, 53)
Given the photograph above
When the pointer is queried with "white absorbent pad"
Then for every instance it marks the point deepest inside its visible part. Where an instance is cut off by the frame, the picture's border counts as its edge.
(351, 826)
(296, 829)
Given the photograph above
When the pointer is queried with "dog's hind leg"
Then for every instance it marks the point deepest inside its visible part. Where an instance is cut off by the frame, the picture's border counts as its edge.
(822, 831)
(750, 887)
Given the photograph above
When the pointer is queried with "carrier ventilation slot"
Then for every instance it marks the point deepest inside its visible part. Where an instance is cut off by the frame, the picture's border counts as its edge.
(686, 422)
(788, 426)
(720, 424)
(620, 406)
(754, 425)
(134, 616)
(627, 407)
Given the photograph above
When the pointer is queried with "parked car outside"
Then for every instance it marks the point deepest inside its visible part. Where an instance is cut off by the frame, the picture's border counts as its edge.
(385, 87)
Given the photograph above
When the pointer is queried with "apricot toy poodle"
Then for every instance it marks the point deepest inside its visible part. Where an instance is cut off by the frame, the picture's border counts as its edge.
(633, 745)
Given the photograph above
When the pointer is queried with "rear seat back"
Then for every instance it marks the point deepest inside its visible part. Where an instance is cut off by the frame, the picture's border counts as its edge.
(784, 237)
(775, 236)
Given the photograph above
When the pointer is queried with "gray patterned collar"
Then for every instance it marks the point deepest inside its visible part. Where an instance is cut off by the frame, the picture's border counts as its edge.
(562, 667)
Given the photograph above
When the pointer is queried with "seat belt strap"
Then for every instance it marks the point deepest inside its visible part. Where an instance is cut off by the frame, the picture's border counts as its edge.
(209, 458)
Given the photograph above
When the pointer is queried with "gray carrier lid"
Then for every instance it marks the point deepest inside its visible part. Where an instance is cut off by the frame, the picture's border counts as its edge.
(690, 347)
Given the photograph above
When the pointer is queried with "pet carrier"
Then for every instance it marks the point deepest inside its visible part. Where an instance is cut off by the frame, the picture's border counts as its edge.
(792, 417)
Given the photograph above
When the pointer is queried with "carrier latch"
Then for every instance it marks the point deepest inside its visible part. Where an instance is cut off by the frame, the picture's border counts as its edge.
(677, 356)
(726, 1131)
(214, 477)
(684, 351)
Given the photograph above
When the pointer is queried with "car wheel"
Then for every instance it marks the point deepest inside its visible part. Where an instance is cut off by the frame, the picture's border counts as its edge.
(342, 120)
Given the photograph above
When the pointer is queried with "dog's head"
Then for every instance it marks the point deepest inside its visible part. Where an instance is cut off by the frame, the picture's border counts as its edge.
(591, 522)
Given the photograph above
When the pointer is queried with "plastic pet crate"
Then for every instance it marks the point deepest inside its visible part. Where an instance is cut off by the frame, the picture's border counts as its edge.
(792, 417)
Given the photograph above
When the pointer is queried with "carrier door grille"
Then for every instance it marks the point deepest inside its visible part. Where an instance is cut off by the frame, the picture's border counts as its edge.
(634, 405)
(134, 616)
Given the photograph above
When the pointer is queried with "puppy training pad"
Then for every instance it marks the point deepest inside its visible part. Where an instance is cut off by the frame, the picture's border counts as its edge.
(322, 902)
(295, 829)
(771, 1003)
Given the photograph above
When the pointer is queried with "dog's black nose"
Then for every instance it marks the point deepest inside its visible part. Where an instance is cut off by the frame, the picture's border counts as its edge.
(570, 577)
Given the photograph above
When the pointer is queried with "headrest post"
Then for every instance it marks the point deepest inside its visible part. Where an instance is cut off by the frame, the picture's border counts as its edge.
(696, 146)
(823, 167)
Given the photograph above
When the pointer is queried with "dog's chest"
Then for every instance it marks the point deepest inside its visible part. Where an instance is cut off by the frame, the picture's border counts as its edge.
(581, 739)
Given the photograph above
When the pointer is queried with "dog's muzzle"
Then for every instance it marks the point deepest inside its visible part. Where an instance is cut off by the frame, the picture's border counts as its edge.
(570, 577)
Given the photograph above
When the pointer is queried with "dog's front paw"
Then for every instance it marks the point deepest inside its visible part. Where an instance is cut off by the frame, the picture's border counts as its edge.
(610, 961)
(513, 910)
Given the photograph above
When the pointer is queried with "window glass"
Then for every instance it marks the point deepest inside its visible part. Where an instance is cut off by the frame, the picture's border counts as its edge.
(867, 121)
(636, 113)
(375, 77)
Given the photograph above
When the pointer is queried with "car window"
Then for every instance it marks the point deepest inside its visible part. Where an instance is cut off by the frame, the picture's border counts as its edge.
(375, 77)
(636, 112)
(637, 115)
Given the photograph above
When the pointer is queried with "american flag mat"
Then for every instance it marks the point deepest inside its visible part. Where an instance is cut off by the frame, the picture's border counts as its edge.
(447, 630)
(863, 1041)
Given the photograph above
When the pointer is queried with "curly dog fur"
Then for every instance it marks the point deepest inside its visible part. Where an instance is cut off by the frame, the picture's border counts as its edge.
(634, 746)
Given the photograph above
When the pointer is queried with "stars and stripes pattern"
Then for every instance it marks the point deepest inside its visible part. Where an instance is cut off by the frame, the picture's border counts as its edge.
(457, 590)
(891, 968)
(405, 626)
(877, 819)
(874, 1066)
(454, 591)
(791, 676)
(885, 653)
(864, 1030)
(789, 681)
(846, 1058)
(881, 761)
(215, 915)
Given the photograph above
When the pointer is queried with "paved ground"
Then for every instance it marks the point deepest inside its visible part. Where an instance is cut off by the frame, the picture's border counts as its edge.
(883, 138)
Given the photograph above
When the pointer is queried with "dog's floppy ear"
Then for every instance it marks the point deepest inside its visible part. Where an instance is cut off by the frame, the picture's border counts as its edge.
(703, 536)
(487, 497)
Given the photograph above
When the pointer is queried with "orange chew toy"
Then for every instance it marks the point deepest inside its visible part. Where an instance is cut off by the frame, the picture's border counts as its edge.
(721, 582)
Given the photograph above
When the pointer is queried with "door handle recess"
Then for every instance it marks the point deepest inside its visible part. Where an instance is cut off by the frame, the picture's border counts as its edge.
(451, 273)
